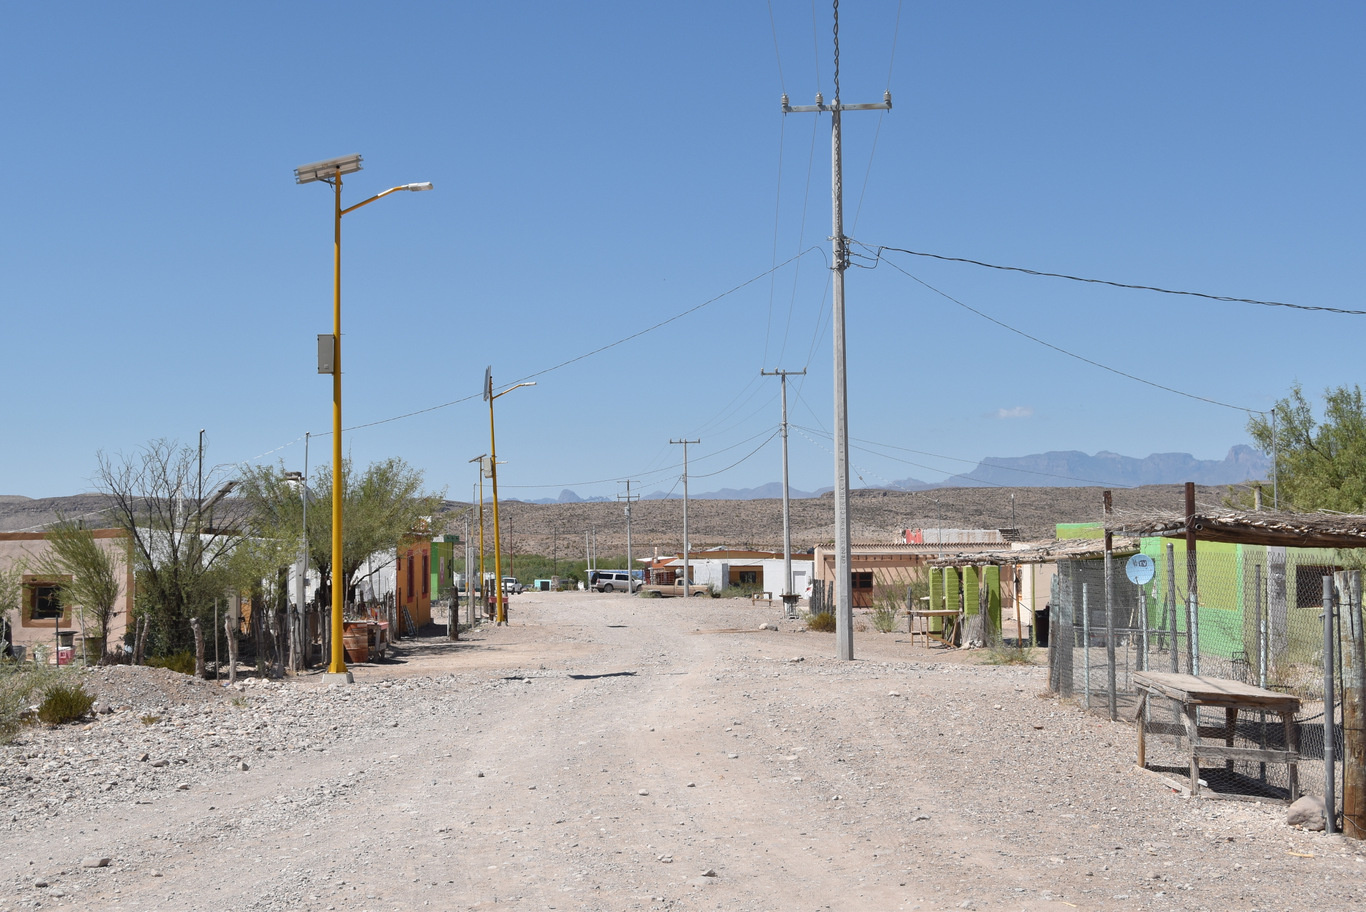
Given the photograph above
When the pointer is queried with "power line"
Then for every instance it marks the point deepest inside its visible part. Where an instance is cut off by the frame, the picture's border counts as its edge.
(1070, 354)
(742, 459)
(1072, 278)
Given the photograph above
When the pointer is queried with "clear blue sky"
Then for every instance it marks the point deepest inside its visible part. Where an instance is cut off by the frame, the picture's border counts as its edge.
(601, 168)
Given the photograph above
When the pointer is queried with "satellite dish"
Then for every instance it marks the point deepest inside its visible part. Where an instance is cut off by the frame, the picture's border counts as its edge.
(1140, 569)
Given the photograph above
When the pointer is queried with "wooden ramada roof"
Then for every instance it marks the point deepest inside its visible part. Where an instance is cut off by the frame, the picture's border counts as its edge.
(1291, 530)
(1040, 553)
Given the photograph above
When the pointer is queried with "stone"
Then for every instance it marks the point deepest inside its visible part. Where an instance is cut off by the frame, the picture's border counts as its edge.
(243, 766)
(710, 872)
(95, 861)
(1307, 812)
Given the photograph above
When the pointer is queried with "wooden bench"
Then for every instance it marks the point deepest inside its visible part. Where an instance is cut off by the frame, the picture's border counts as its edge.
(1193, 692)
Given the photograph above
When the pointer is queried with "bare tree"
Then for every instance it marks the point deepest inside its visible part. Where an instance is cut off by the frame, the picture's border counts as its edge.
(181, 531)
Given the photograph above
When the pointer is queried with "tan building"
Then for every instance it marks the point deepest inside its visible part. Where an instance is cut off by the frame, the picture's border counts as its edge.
(41, 619)
(885, 569)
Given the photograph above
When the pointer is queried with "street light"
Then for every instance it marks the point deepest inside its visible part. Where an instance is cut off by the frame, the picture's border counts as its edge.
(501, 616)
(330, 171)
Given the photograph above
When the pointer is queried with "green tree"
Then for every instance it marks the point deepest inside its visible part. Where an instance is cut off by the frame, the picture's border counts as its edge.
(87, 573)
(384, 503)
(1320, 464)
(181, 529)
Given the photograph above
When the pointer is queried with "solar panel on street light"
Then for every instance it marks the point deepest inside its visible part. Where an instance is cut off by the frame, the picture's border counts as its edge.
(324, 170)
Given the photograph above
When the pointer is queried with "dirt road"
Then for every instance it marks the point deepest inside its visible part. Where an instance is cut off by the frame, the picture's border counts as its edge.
(606, 752)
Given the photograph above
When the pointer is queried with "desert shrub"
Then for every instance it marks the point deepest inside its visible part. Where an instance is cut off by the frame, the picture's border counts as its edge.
(740, 590)
(65, 701)
(182, 662)
(884, 618)
(823, 621)
(999, 654)
(648, 593)
(18, 683)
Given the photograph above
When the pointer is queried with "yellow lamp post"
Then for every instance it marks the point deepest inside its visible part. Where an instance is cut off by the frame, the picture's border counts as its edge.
(489, 395)
(329, 362)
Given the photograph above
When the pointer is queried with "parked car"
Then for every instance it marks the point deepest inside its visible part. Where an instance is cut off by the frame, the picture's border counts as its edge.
(613, 581)
(511, 586)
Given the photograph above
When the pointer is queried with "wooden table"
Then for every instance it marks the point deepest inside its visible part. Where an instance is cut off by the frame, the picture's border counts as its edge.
(950, 634)
(1193, 692)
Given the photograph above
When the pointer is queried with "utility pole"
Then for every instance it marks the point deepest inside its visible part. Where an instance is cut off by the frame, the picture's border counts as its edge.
(789, 597)
(844, 610)
(630, 567)
(687, 589)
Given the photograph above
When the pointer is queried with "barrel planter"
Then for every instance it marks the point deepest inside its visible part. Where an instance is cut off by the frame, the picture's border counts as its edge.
(356, 642)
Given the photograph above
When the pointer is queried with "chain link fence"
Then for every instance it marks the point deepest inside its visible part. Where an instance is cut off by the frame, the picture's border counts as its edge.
(1246, 613)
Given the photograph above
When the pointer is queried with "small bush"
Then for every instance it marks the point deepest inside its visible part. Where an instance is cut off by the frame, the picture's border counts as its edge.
(999, 654)
(884, 618)
(182, 662)
(149, 719)
(19, 681)
(823, 621)
(65, 701)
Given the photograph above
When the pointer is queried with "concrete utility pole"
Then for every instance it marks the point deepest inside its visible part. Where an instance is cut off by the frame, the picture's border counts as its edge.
(630, 567)
(844, 610)
(687, 581)
(789, 597)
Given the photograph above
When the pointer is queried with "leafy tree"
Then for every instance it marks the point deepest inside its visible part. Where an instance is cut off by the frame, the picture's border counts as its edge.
(1320, 464)
(384, 503)
(87, 570)
(181, 531)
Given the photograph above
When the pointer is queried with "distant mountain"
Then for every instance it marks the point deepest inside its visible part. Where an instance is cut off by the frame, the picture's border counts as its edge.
(1071, 468)
(1054, 469)
(774, 490)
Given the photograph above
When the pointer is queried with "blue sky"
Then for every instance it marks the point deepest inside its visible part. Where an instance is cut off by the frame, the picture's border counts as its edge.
(602, 168)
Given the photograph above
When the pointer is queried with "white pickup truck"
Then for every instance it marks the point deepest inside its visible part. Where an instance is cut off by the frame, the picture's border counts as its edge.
(677, 589)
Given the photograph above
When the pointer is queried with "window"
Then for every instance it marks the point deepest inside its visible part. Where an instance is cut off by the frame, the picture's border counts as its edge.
(862, 579)
(43, 601)
(749, 578)
(426, 574)
(46, 602)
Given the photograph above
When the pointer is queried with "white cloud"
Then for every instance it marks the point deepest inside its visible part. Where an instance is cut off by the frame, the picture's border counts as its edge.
(1019, 411)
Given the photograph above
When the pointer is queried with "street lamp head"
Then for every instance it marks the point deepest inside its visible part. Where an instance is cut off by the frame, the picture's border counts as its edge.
(426, 185)
(326, 170)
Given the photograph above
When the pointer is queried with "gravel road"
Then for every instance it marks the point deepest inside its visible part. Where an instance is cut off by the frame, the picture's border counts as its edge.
(605, 752)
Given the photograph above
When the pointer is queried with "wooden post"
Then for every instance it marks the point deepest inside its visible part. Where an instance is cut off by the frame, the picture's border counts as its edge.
(1353, 706)
(1170, 606)
(1110, 682)
(1192, 587)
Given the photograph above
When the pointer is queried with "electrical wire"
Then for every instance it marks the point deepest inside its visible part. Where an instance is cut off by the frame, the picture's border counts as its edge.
(649, 329)
(1072, 278)
(743, 459)
(1060, 350)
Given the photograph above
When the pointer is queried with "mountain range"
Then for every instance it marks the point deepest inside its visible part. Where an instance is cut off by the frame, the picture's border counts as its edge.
(1054, 469)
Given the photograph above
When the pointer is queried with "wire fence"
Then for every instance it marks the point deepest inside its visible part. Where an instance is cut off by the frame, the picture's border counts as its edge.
(1243, 613)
